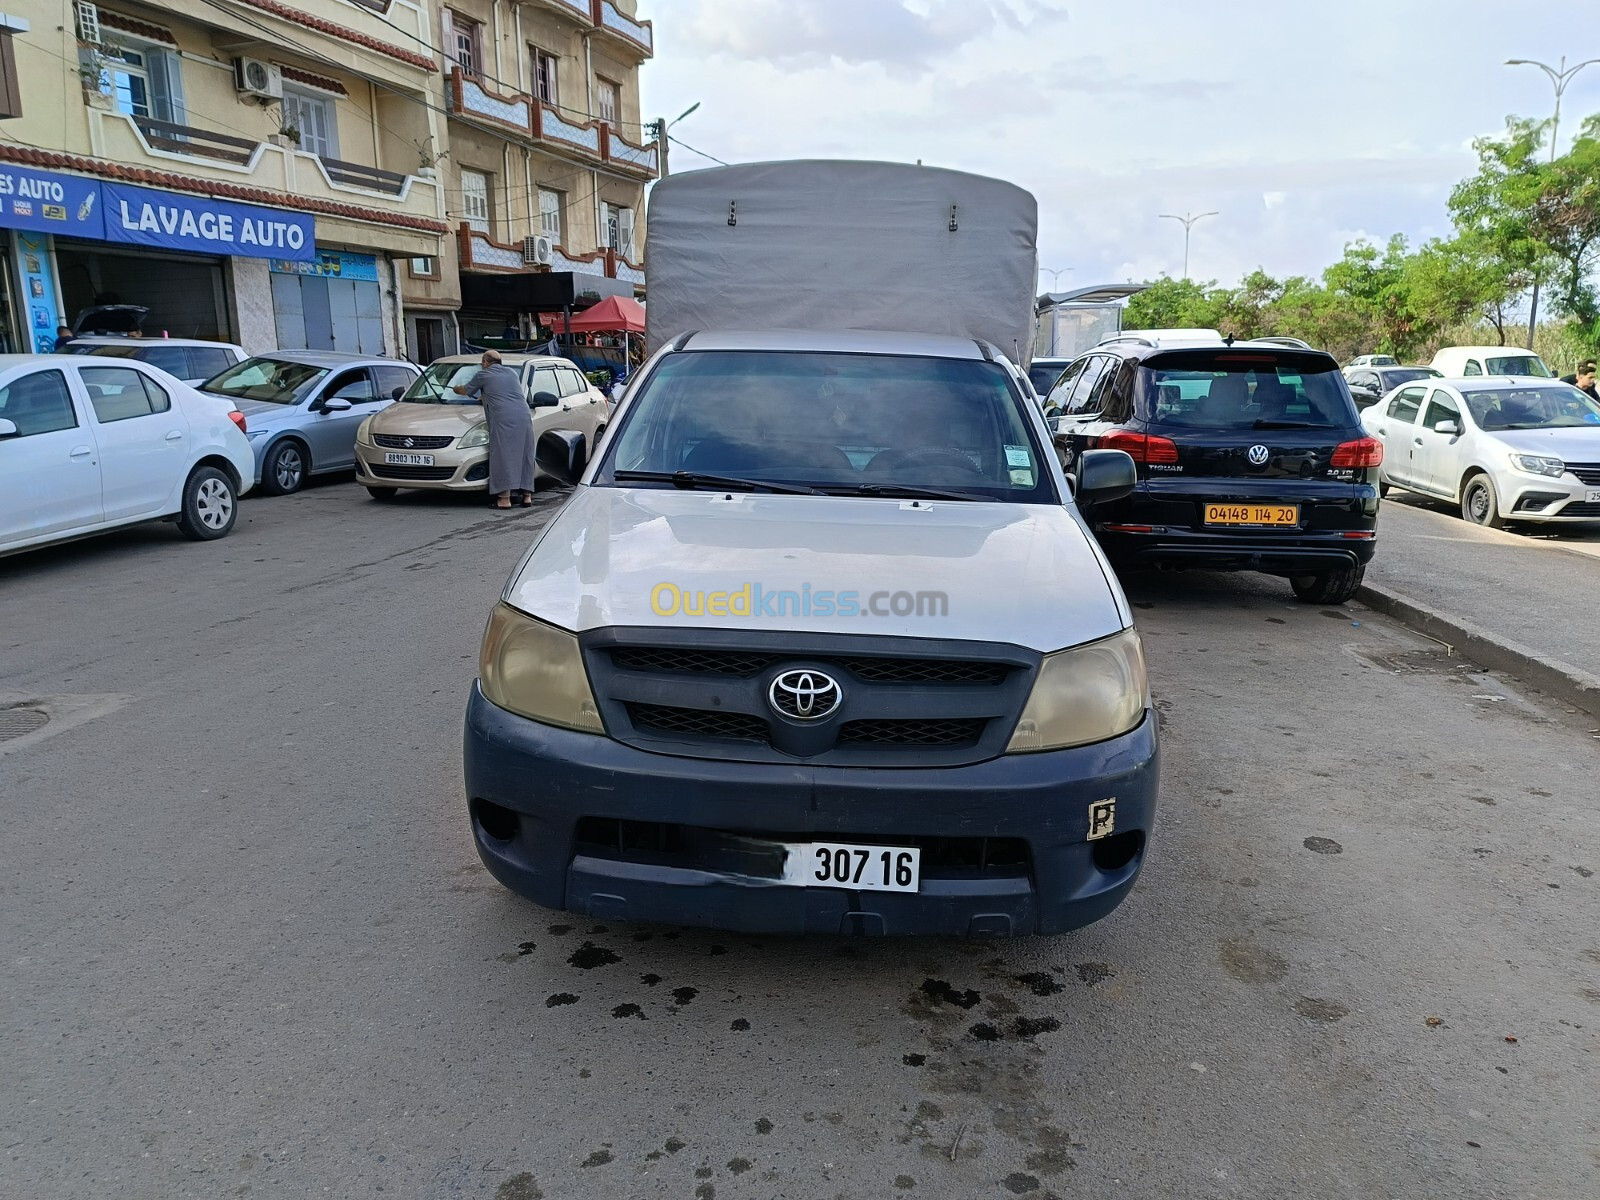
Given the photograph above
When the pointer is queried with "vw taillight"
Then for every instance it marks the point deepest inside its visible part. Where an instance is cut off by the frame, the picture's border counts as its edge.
(1141, 447)
(1363, 452)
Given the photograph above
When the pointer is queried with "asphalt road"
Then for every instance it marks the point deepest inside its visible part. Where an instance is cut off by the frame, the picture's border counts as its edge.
(249, 950)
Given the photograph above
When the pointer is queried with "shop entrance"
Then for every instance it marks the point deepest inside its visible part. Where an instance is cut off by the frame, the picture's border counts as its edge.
(185, 293)
(331, 303)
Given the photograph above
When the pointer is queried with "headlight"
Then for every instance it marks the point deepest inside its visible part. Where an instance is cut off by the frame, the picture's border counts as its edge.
(478, 435)
(1086, 694)
(364, 432)
(536, 671)
(1538, 465)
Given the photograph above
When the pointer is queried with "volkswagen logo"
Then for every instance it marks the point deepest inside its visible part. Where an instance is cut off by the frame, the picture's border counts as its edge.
(409, 442)
(804, 695)
(1258, 456)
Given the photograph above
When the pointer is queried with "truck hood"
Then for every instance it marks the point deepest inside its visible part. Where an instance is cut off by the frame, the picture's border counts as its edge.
(1025, 574)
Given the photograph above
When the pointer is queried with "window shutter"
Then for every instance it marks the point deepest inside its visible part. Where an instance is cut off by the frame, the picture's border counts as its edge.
(625, 233)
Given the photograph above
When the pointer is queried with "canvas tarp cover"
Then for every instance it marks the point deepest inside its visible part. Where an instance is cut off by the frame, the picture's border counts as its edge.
(842, 245)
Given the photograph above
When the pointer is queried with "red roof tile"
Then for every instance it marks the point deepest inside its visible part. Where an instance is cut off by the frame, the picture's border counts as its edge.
(321, 82)
(213, 187)
(332, 29)
(144, 29)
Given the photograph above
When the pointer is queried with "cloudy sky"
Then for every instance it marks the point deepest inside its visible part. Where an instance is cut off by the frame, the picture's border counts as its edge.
(1304, 123)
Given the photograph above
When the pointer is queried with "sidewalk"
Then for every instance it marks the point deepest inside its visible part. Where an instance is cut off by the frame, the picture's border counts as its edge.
(1529, 606)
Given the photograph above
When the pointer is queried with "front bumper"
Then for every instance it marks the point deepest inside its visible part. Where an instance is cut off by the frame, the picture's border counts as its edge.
(1526, 497)
(453, 470)
(533, 789)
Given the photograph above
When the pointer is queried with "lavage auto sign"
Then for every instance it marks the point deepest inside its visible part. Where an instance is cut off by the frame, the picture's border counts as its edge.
(197, 223)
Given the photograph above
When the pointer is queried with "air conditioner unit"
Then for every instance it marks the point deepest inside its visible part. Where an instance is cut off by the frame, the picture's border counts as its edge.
(88, 22)
(538, 249)
(253, 77)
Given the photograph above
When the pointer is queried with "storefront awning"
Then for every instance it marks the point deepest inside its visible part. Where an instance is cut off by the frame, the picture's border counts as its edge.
(533, 292)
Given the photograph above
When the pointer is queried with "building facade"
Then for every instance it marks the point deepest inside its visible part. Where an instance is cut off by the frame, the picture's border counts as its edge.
(314, 174)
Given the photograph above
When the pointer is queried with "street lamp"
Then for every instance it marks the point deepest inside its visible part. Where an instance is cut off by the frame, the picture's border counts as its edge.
(1559, 78)
(1188, 221)
(661, 127)
(1055, 274)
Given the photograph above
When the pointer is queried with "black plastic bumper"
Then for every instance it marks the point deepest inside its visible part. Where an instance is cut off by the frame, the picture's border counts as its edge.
(550, 779)
(1291, 555)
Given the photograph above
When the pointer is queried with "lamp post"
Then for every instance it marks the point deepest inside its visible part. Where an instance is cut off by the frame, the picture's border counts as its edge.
(1559, 78)
(662, 125)
(1055, 274)
(1187, 221)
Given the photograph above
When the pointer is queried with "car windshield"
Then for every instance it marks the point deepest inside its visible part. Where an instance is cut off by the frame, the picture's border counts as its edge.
(1532, 408)
(839, 423)
(274, 380)
(1402, 375)
(1044, 376)
(1211, 389)
(1525, 365)
(433, 385)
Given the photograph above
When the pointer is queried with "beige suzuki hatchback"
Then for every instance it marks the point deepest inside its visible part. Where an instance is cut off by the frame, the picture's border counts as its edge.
(434, 438)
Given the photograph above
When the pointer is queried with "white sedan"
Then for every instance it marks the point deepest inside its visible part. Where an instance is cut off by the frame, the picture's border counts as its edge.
(90, 444)
(1503, 449)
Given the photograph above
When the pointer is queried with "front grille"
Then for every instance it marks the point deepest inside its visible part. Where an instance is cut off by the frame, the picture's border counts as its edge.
(746, 663)
(912, 732)
(410, 441)
(396, 471)
(1581, 508)
(697, 662)
(698, 723)
(1588, 472)
(923, 670)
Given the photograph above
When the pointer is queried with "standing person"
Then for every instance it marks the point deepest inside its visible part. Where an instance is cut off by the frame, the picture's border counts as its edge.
(1583, 379)
(505, 407)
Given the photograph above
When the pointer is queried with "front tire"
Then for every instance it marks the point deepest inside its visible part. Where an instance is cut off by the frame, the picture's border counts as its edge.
(1480, 503)
(382, 493)
(284, 471)
(1328, 587)
(210, 505)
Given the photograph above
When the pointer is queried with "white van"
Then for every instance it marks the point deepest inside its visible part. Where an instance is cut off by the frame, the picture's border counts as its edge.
(820, 642)
(1456, 362)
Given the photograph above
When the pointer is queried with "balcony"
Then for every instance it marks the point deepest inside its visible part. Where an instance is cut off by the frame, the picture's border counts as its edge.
(545, 127)
(624, 155)
(480, 252)
(187, 140)
(636, 36)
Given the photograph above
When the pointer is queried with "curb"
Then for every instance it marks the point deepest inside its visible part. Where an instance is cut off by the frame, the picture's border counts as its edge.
(1560, 679)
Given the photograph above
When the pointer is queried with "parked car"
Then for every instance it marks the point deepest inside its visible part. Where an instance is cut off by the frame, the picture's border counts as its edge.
(1043, 373)
(304, 407)
(1251, 456)
(1504, 449)
(87, 446)
(1374, 360)
(188, 359)
(434, 438)
(1369, 384)
(1457, 362)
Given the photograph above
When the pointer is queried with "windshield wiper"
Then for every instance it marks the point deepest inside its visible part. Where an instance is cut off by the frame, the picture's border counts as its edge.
(699, 479)
(905, 491)
(1263, 423)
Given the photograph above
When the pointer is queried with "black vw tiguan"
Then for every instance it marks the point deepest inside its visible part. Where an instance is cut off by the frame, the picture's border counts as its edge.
(1250, 457)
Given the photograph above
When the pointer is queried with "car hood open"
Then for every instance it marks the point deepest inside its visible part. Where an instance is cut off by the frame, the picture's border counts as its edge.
(1025, 574)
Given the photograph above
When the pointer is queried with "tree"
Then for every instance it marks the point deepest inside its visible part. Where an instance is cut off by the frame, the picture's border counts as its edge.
(1172, 304)
(1564, 219)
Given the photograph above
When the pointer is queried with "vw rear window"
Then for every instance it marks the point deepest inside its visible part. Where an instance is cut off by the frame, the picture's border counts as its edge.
(1211, 389)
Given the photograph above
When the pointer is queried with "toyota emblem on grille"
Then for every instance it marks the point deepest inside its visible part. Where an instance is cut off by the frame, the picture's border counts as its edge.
(804, 695)
(1258, 456)
(409, 442)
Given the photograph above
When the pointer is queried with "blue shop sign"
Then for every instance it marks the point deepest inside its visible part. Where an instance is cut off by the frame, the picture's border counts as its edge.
(150, 218)
(51, 203)
(331, 264)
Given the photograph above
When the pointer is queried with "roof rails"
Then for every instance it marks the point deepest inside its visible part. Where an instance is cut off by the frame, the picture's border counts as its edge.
(1297, 343)
(1161, 337)
(1112, 338)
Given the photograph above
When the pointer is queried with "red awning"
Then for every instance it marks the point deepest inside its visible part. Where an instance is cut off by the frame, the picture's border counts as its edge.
(614, 314)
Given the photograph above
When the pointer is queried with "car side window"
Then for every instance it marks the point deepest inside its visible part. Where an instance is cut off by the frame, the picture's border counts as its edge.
(354, 386)
(1473, 367)
(572, 382)
(170, 359)
(1405, 405)
(1095, 401)
(38, 402)
(1441, 408)
(206, 361)
(390, 378)
(544, 380)
(1063, 386)
(1085, 385)
(119, 394)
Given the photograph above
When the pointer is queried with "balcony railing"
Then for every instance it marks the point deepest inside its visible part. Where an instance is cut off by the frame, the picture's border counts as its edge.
(480, 252)
(357, 175)
(556, 128)
(544, 124)
(625, 153)
(609, 17)
(186, 139)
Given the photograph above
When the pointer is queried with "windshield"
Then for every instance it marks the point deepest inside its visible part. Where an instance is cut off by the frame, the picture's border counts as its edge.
(273, 380)
(1216, 390)
(1401, 375)
(1526, 365)
(1044, 376)
(1532, 408)
(433, 385)
(840, 423)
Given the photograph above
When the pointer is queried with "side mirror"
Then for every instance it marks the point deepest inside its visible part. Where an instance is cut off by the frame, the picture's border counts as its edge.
(562, 453)
(544, 400)
(1105, 475)
(335, 404)
(397, 393)
(1448, 428)
(7, 428)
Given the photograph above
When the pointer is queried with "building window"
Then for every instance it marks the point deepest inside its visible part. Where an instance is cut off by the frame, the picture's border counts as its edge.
(314, 117)
(618, 229)
(544, 75)
(606, 98)
(424, 268)
(475, 199)
(143, 82)
(465, 42)
(551, 204)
